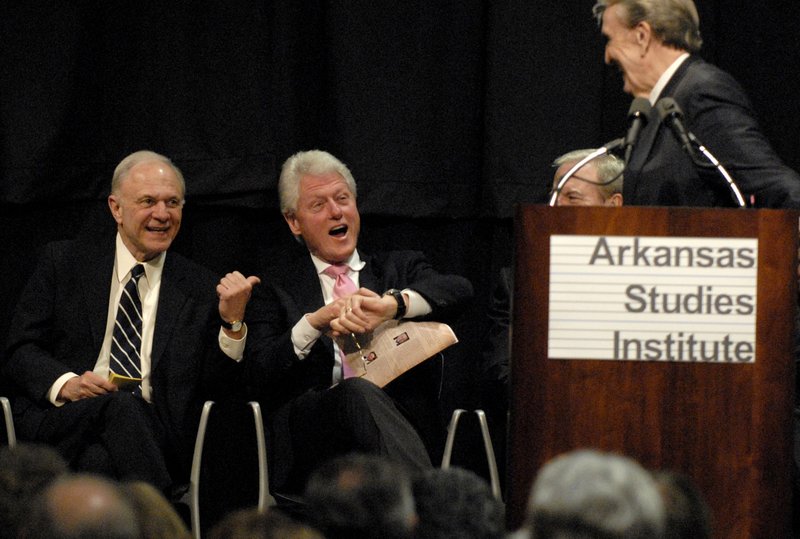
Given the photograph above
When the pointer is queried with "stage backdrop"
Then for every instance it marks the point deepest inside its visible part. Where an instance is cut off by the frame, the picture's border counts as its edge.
(447, 111)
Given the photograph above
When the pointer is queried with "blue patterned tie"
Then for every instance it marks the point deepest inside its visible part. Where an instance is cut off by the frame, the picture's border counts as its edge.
(126, 342)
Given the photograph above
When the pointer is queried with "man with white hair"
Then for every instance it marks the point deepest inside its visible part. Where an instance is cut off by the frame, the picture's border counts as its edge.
(655, 44)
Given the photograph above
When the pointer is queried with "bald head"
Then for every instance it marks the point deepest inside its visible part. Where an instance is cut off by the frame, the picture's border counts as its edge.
(82, 506)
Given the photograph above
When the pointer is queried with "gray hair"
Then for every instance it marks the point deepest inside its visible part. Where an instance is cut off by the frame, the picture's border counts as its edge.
(137, 158)
(314, 162)
(609, 169)
(586, 493)
(675, 22)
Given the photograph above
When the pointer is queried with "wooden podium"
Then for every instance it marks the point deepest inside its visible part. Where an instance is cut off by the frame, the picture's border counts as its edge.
(726, 422)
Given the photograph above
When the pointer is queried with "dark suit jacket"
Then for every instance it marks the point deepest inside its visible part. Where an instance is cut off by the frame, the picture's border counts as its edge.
(292, 290)
(277, 376)
(718, 112)
(60, 323)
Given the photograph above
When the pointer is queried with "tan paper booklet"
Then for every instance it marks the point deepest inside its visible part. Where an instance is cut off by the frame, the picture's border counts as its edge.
(394, 347)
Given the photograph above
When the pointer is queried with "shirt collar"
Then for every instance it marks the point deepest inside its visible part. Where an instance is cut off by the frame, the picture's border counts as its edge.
(354, 262)
(125, 262)
(662, 81)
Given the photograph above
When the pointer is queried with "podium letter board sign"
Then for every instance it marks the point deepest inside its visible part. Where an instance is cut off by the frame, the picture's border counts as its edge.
(664, 334)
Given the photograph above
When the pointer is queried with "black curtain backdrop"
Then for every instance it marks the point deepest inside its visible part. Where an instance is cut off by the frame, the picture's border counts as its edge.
(448, 113)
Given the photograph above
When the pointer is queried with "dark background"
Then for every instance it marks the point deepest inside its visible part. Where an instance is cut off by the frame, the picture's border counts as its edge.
(447, 112)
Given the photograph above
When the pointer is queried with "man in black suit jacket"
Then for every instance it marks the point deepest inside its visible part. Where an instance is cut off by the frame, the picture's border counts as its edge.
(59, 349)
(654, 45)
(313, 421)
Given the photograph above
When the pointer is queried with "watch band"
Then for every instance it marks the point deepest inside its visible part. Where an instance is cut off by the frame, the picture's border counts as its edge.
(401, 303)
(234, 326)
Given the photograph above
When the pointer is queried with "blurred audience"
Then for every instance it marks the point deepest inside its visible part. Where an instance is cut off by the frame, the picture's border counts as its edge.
(81, 506)
(24, 472)
(687, 514)
(361, 496)
(157, 517)
(587, 494)
(456, 504)
(255, 524)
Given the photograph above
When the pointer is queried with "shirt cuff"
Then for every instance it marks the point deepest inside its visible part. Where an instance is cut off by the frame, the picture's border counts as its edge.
(233, 348)
(52, 395)
(417, 305)
(304, 335)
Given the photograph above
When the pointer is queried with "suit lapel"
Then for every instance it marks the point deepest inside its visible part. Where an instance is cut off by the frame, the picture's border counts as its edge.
(95, 274)
(171, 298)
(648, 136)
(366, 277)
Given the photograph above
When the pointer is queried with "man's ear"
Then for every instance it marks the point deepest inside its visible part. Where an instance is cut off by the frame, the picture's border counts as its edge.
(614, 200)
(116, 208)
(291, 220)
(644, 34)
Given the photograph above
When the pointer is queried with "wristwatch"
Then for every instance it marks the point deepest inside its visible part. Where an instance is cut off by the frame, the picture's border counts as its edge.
(234, 326)
(401, 303)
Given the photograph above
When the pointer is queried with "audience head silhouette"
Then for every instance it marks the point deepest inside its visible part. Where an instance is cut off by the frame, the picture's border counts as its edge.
(587, 494)
(361, 496)
(82, 506)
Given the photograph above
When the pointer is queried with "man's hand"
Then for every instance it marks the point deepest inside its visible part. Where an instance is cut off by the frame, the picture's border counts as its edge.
(85, 386)
(234, 292)
(322, 317)
(363, 312)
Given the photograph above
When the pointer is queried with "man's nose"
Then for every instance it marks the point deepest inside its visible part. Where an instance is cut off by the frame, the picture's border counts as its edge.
(160, 210)
(334, 209)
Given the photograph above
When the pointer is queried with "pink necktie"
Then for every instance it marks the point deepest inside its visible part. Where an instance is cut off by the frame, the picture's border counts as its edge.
(343, 286)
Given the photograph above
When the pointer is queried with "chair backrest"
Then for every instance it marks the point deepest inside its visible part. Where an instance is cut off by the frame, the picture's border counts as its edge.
(8, 421)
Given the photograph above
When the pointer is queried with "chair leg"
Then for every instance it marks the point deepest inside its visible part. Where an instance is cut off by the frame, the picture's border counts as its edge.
(488, 448)
(451, 435)
(265, 499)
(9, 421)
(194, 477)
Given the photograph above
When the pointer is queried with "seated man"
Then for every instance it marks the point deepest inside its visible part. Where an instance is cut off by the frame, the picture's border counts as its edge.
(125, 306)
(317, 411)
(597, 183)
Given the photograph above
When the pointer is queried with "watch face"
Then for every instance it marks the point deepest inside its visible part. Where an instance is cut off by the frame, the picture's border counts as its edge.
(236, 326)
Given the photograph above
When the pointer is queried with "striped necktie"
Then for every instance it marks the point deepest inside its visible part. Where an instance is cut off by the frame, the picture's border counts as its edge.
(126, 342)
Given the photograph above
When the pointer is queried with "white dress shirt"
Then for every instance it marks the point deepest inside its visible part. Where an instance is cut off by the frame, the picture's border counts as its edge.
(149, 288)
(303, 333)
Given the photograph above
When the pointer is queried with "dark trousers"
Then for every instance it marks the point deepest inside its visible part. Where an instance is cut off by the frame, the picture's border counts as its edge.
(116, 434)
(353, 416)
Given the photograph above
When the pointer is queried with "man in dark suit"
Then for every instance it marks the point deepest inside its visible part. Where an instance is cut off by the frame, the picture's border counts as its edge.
(299, 362)
(64, 338)
(655, 44)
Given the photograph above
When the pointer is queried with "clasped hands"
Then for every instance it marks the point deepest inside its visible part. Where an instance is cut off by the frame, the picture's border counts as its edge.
(362, 312)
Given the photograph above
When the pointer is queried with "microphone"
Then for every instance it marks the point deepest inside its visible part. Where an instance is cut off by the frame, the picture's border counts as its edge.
(670, 113)
(638, 116)
(606, 148)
